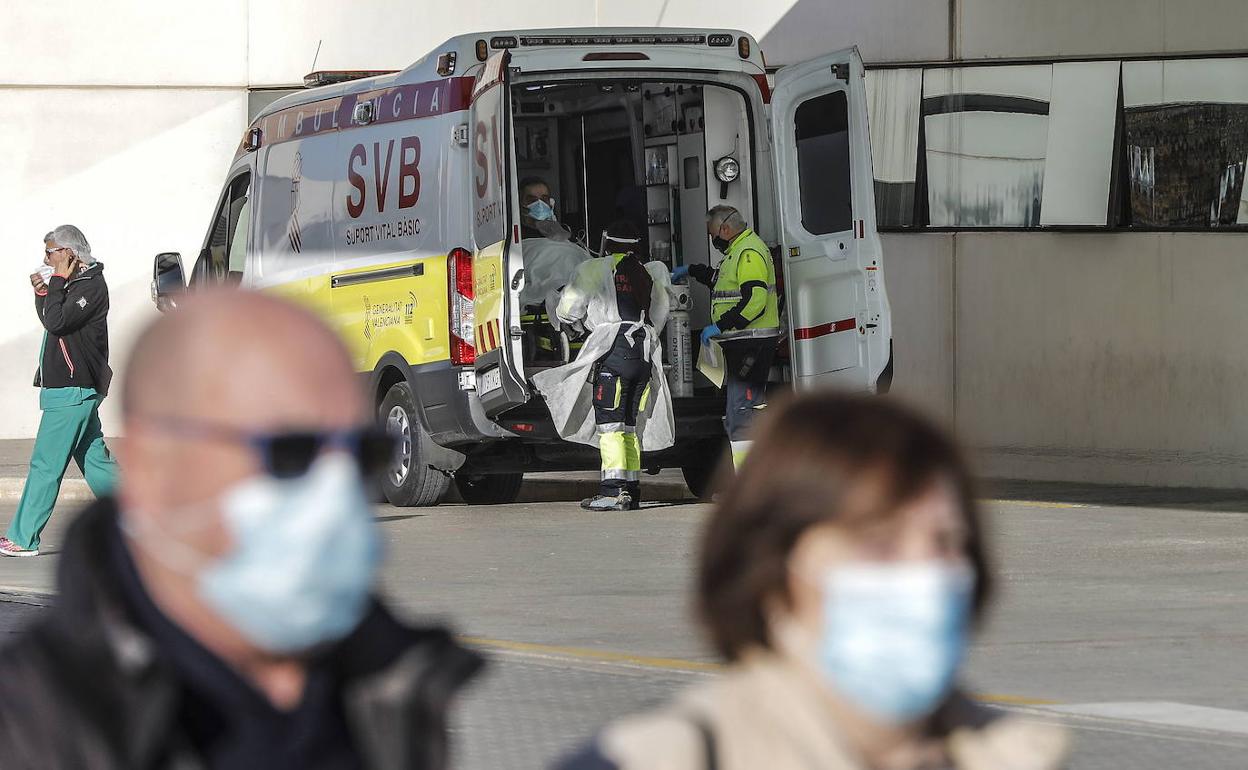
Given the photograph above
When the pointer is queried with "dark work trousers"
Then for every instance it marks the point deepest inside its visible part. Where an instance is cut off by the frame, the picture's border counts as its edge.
(747, 365)
(621, 389)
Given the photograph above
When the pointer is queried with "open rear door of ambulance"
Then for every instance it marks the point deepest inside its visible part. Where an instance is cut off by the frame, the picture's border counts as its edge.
(839, 323)
(498, 265)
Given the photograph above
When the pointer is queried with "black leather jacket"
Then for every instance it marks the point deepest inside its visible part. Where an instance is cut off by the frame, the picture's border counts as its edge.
(84, 688)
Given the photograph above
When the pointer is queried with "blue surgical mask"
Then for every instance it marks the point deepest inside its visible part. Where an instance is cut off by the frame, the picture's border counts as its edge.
(541, 211)
(304, 555)
(894, 635)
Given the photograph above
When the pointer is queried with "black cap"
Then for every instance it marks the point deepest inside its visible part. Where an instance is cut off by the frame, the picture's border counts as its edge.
(623, 236)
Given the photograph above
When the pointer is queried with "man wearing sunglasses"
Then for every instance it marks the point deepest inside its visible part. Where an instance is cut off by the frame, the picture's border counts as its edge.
(220, 612)
(71, 299)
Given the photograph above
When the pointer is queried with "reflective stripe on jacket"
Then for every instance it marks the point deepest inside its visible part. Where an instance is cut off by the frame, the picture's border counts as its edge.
(744, 302)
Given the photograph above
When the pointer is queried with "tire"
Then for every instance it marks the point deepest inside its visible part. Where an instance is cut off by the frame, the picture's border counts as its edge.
(409, 482)
(488, 489)
(701, 475)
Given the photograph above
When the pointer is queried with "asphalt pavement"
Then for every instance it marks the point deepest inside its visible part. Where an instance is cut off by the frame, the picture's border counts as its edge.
(1123, 613)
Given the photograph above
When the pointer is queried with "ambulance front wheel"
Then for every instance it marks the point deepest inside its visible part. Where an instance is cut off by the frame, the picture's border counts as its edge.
(409, 482)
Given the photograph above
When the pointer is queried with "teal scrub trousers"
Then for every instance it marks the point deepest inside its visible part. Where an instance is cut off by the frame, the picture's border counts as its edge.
(70, 429)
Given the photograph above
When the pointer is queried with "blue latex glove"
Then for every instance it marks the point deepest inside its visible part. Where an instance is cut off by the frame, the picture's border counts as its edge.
(680, 273)
(708, 332)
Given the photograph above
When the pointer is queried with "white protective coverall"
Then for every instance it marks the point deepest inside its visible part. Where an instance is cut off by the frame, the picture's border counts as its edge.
(547, 264)
(589, 299)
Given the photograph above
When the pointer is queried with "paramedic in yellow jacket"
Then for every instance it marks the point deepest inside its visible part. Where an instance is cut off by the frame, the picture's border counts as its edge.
(623, 304)
(745, 318)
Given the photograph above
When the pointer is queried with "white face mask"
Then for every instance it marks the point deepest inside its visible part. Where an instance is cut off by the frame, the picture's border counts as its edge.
(302, 562)
(894, 635)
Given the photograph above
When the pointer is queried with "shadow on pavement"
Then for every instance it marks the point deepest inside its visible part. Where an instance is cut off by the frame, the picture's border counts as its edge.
(1183, 498)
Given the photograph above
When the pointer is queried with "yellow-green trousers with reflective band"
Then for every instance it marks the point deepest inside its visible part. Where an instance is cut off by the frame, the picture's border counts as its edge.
(67, 431)
(621, 460)
(621, 392)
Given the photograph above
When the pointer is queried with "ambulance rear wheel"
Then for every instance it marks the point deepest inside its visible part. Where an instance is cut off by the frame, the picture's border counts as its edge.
(700, 477)
(488, 489)
(409, 482)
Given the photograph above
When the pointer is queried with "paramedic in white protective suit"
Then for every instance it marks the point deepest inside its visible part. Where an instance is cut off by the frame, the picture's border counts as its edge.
(615, 394)
(550, 254)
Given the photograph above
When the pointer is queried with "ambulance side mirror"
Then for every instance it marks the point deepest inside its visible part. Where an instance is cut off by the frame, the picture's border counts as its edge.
(168, 280)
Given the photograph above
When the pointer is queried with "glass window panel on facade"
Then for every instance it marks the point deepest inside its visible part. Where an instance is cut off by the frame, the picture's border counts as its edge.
(822, 134)
(1079, 161)
(985, 142)
(894, 98)
(1186, 141)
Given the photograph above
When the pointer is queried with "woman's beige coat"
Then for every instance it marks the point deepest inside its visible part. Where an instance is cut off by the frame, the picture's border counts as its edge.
(770, 714)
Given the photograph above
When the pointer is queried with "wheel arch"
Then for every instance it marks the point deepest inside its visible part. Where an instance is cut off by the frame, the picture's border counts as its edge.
(392, 369)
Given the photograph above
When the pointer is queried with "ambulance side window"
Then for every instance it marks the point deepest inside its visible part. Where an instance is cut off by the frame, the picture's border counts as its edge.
(225, 255)
(822, 127)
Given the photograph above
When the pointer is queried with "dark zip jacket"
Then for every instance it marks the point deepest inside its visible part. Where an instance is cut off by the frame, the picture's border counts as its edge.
(75, 314)
(86, 688)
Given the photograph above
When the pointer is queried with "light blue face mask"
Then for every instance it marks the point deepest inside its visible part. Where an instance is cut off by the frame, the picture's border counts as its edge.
(304, 555)
(894, 635)
(541, 211)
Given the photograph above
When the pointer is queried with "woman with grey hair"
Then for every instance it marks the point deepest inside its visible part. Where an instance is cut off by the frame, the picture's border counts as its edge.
(71, 299)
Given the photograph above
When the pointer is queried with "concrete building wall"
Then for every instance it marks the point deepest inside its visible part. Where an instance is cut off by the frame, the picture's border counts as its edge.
(992, 29)
(120, 118)
(1089, 357)
(1104, 357)
(919, 274)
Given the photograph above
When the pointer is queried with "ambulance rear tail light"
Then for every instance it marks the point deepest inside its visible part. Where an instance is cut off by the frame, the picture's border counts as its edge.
(460, 307)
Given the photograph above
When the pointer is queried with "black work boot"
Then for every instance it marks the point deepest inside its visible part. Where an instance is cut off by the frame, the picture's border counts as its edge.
(621, 501)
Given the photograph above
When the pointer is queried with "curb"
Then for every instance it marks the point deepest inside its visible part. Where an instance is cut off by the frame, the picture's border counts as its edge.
(24, 596)
(72, 490)
(538, 490)
(570, 490)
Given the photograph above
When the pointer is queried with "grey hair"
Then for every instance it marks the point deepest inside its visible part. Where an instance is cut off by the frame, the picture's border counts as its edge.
(70, 237)
(720, 215)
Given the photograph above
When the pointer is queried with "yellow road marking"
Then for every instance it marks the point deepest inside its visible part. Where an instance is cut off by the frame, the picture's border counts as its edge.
(676, 664)
(1035, 503)
(605, 656)
(1012, 700)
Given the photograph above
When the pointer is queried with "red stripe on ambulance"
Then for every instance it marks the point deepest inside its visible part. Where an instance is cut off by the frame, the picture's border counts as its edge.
(822, 330)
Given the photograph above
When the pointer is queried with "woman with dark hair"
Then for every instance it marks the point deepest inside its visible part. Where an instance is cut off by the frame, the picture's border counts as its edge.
(840, 577)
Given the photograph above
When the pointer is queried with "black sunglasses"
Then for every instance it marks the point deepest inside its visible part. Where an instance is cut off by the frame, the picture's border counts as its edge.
(289, 454)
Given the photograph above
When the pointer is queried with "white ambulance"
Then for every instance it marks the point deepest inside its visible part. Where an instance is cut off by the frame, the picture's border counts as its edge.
(390, 205)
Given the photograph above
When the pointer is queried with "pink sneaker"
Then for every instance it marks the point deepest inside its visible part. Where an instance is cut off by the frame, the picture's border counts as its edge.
(9, 548)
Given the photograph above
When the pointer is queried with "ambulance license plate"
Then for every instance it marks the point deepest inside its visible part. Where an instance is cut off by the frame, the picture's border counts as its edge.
(490, 379)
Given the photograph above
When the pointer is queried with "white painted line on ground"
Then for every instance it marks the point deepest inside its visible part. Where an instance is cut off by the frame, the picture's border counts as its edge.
(72, 490)
(1163, 713)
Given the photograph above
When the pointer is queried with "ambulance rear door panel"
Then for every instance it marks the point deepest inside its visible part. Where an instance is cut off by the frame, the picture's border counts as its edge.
(498, 264)
(838, 315)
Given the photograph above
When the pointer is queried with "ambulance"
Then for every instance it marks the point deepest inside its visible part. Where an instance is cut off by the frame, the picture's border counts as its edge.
(390, 205)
